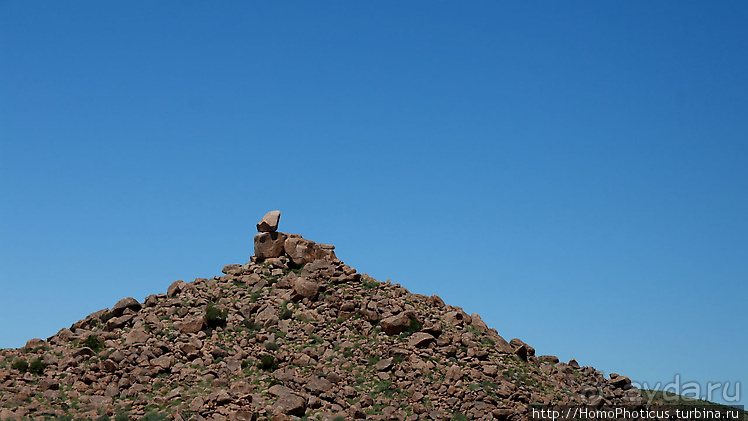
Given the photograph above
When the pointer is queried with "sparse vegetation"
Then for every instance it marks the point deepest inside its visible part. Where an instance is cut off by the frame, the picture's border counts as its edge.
(214, 317)
(93, 342)
(37, 366)
(20, 365)
(267, 363)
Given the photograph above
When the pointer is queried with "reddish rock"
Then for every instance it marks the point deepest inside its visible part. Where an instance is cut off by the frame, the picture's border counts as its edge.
(384, 365)
(269, 245)
(136, 336)
(395, 324)
(318, 385)
(191, 325)
(420, 339)
(300, 250)
(175, 288)
(124, 304)
(291, 404)
(243, 415)
(305, 289)
(269, 222)
(34, 344)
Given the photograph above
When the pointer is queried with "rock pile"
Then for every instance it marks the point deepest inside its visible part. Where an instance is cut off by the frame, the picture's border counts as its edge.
(269, 244)
(292, 333)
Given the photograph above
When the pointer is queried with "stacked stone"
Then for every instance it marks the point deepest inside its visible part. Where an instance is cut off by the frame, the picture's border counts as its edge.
(271, 243)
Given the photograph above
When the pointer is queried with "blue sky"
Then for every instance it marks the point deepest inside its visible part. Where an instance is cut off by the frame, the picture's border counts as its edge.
(573, 172)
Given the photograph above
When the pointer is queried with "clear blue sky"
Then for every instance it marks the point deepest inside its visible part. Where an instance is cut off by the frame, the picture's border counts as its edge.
(575, 172)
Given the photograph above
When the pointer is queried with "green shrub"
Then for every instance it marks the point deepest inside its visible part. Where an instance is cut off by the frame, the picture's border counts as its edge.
(370, 284)
(267, 363)
(20, 365)
(459, 416)
(271, 346)
(154, 416)
(106, 316)
(286, 314)
(94, 343)
(37, 366)
(214, 317)
(414, 326)
(122, 416)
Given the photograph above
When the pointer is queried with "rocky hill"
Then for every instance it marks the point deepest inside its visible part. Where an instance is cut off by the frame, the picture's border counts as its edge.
(294, 333)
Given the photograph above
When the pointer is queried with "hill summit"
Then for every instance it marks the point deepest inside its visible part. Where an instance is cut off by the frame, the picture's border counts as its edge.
(294, 333)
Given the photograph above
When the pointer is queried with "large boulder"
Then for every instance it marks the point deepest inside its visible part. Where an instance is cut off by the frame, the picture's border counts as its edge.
(395, 324)
(304, 288)
(269, 222)
(191, 324)
(300, 250)
(125, 304)
(269, 244)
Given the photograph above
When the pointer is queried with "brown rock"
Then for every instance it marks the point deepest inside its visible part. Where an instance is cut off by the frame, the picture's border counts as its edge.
(318, 385)
(478, 323)
(267, 316)
(454, 373)
(243, 415)
(326, 251)
(395, 324)
(191, 325)
(291, 404)
(269, 244)
(300, 250)
(548, 359)
(619, 382)
(118, 322)
(420, 339)
(305, 289)
(137, 335)
(233, 270)
(384, 365)
(175, 288)
(269, 222)
(124, 304)
(518, 343)
(34, 343)
(164, 362)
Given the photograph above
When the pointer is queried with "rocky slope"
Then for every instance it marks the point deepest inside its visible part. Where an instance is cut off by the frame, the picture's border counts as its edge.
(298, 335)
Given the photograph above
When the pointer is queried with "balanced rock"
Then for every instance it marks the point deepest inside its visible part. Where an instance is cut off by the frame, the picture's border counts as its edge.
(269, 222)
(269, 245)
